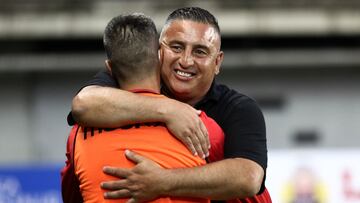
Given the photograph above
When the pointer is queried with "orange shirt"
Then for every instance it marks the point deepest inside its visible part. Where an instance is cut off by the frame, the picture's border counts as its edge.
(96, 148)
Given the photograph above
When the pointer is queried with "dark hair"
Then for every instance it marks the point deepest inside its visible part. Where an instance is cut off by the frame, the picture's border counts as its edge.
(131, 43)
(195, 14)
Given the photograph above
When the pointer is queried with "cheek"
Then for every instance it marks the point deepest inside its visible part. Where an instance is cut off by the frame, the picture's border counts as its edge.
(169, 60)
(165, 71)
(165, 60)
(209, 67)
(168, 55)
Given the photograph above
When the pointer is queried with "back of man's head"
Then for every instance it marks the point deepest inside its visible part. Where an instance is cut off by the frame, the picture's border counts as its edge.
(131, 44)
(195, 14)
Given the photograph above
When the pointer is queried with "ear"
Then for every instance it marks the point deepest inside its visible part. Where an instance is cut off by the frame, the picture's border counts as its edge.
(161, 54)
(108, 66)
(218, 61)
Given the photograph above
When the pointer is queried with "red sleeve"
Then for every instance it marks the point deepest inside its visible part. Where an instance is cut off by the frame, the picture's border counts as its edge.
(216, 136)
(69, 182)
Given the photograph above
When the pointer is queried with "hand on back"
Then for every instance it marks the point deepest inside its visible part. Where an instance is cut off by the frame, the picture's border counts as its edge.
(184, 123)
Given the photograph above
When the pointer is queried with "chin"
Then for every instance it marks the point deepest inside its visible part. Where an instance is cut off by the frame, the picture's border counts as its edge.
(179, 92)
(182, 91)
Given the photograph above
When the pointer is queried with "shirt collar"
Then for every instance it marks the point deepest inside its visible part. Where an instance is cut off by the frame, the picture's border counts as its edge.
(212, 95)
(143, 91)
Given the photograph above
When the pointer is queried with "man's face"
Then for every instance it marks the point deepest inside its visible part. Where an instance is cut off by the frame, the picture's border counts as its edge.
(191, 57)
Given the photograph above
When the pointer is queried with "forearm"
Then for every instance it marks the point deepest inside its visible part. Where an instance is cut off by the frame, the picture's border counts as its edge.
(222, 180)
(110, 107)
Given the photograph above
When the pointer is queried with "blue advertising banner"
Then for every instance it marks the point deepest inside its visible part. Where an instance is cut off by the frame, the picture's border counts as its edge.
(30, 184)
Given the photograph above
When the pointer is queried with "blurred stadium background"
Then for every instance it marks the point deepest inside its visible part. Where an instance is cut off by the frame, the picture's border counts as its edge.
(299, 59)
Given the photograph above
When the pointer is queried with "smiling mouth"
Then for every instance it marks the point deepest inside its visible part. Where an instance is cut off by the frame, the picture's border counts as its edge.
(184, 74)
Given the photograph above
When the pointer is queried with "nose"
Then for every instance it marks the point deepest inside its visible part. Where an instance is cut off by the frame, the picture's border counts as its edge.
(186, 59)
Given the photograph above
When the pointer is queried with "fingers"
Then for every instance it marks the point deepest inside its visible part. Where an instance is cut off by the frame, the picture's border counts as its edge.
(117, 172)
(206, 142)
(131, 200)
(132, 156)
(114, 184)
(198, 145)
(202, 135)
(117, 189)
(117, 194)
(190, 130)
(198, 112)
(190, 145)
(197, 141)
(200, 140)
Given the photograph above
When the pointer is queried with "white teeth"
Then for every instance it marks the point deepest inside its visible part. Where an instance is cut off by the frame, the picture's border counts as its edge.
(183, 74)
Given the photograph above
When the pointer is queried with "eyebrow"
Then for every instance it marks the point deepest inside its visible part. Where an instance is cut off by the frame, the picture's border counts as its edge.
(201, 46)
(182, 43)
(174, 42)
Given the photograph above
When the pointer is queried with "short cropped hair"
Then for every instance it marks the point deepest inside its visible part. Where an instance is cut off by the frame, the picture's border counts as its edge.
(195, 14)
(131, 44)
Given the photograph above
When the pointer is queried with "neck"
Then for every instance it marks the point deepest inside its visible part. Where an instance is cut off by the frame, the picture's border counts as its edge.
(151, 85)
(188, 99)
(191, 101)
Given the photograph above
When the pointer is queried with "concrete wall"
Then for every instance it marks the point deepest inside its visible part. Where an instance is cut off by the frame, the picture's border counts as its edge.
(33, 110)
(324, 102)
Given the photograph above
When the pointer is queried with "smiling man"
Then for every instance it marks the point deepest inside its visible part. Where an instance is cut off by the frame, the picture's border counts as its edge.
(131, 44)
(191, 57)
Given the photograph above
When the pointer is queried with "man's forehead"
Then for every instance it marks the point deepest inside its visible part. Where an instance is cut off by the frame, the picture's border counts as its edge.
(189, 25)
(191, 31)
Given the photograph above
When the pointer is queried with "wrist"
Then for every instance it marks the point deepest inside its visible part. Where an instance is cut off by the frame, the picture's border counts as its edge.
(164, 110)
(167, 183)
